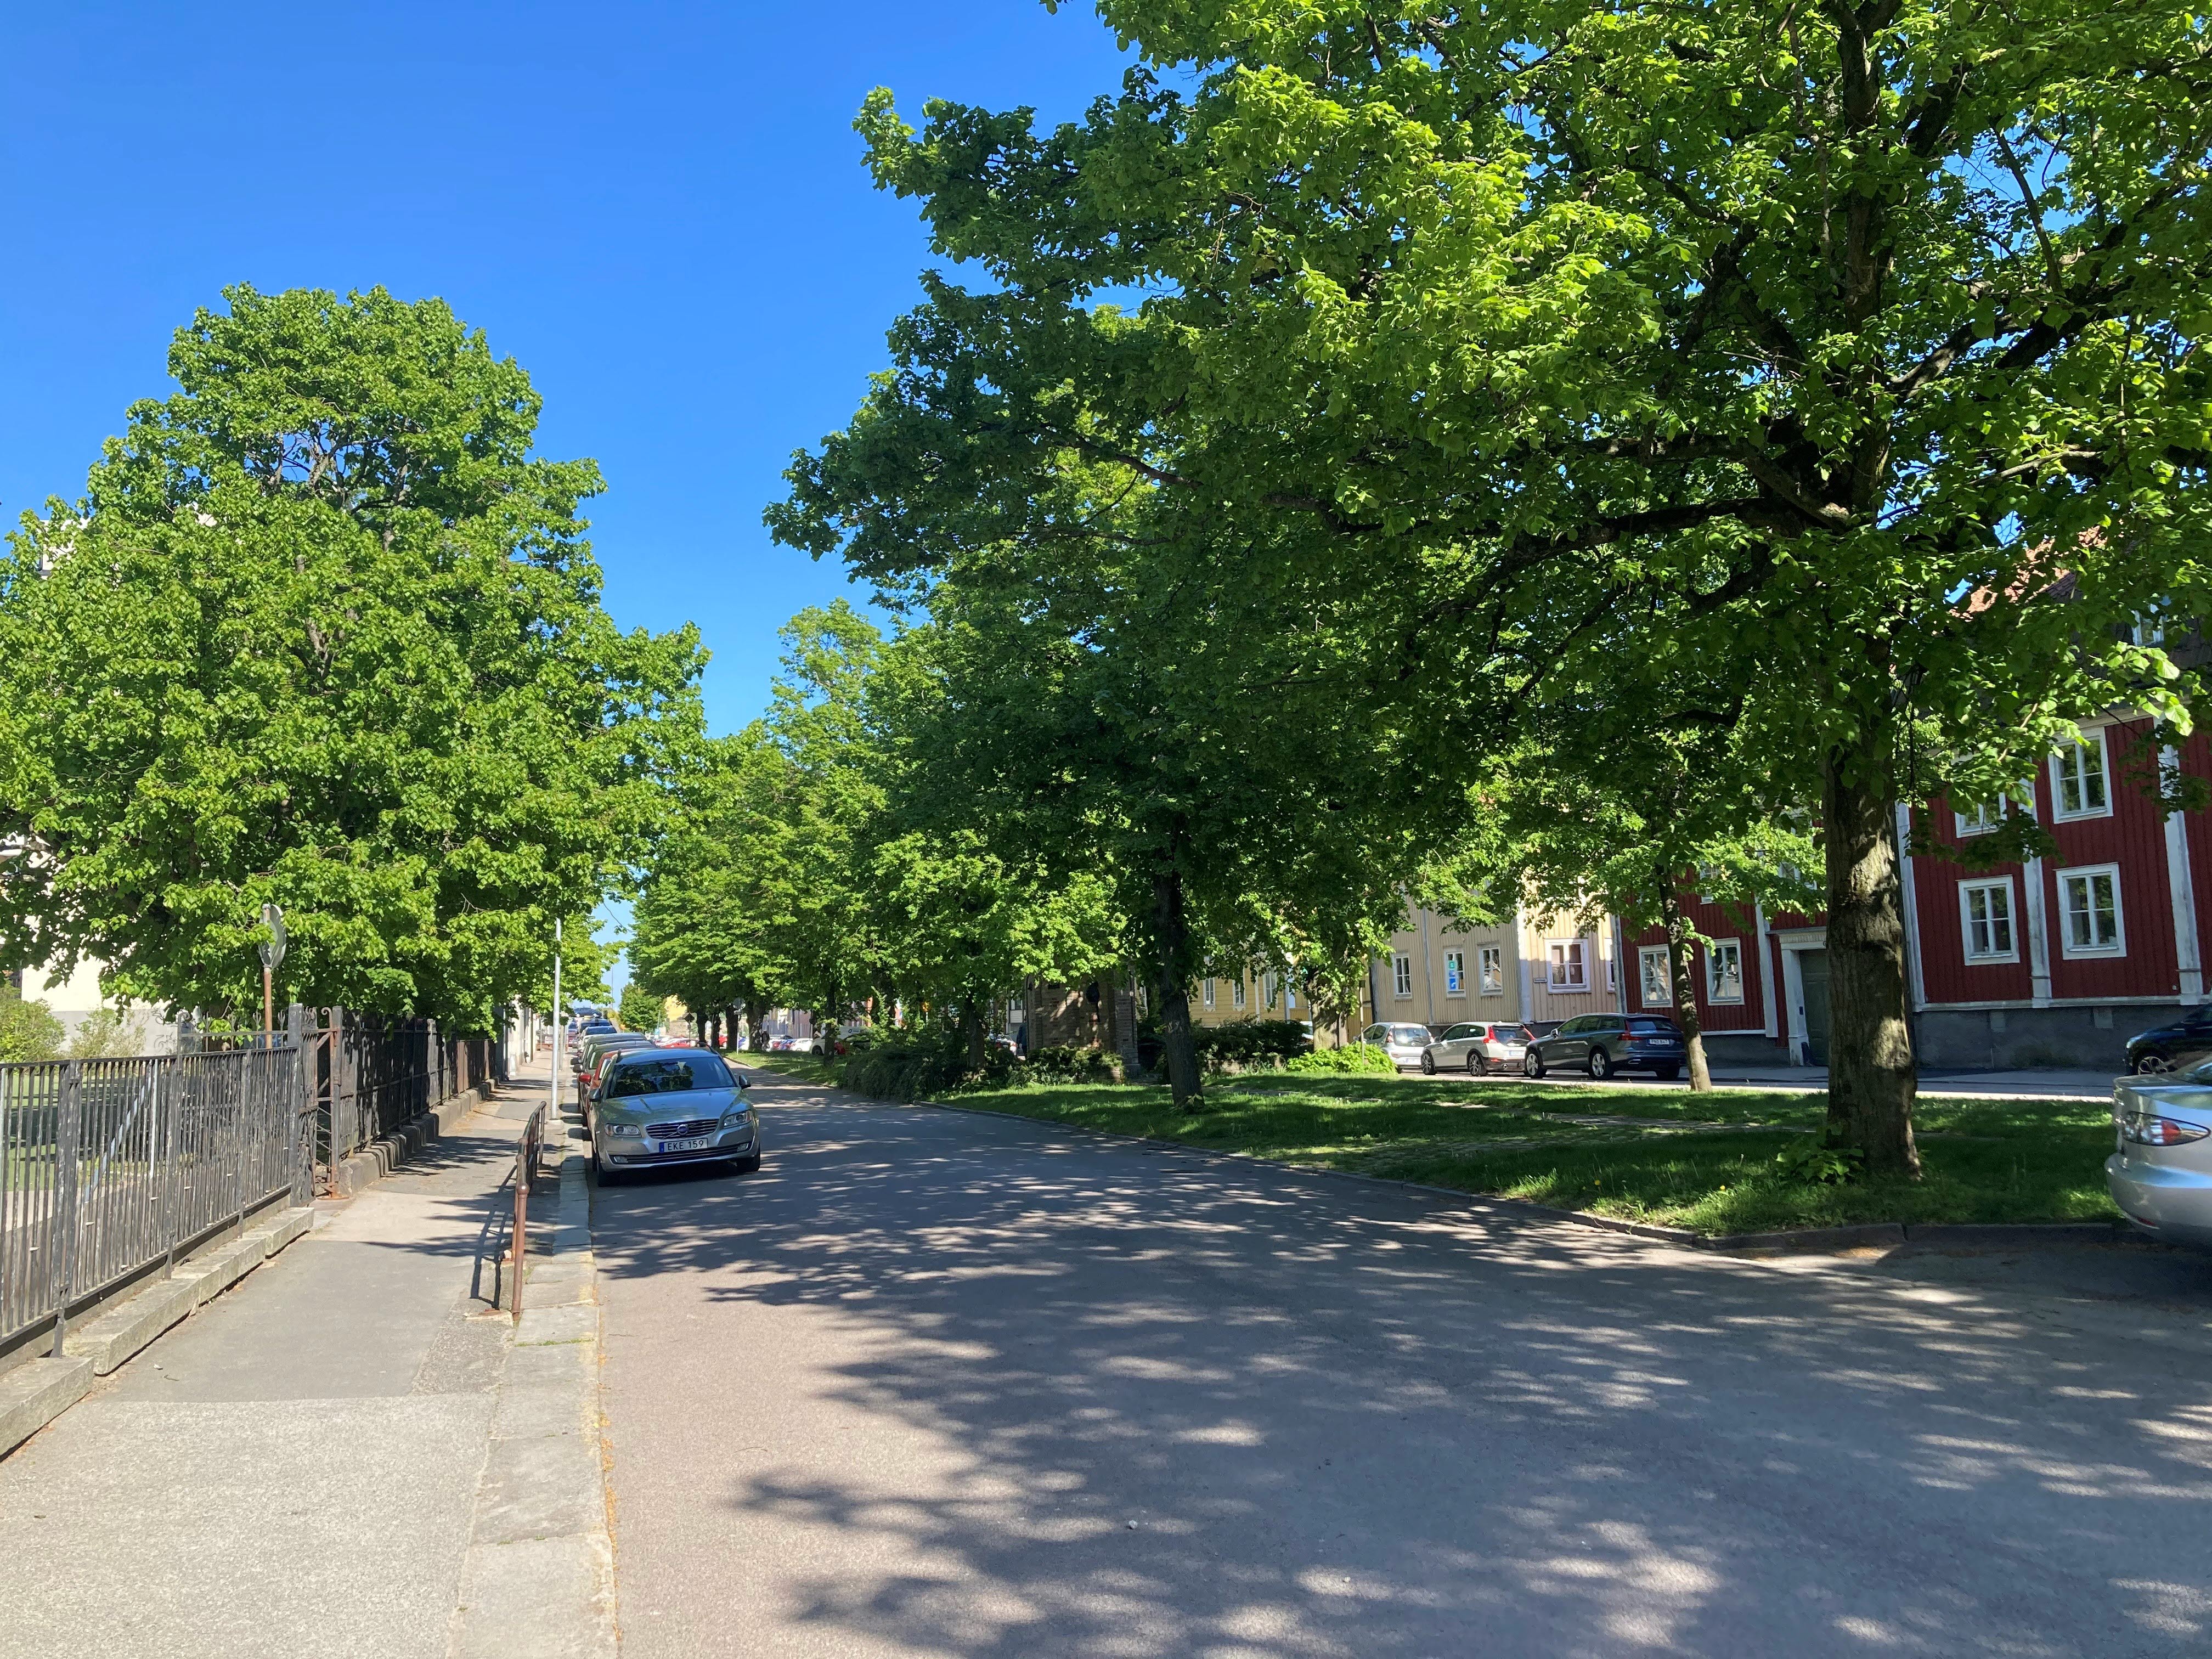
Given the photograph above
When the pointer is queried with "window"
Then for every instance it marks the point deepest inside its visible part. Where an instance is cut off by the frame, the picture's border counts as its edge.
(1657, 976)
(1454, 973)
(1724, 971)
(2079, 782)
(1267, 992)
(1568, 970)
(2089, 904)
(1290, 996)
(1206, 993)
(1494, 970)
(1236, 991)
(1612, 974)
(1401, 975)
(1985, 815)
(1985, 920)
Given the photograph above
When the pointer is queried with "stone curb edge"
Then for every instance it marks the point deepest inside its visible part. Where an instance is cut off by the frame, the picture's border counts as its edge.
(538, 1573)
(37, 1391)
(1810, 1241)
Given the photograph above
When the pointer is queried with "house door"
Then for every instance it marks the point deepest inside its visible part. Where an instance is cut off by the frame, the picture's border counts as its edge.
(1812, 973)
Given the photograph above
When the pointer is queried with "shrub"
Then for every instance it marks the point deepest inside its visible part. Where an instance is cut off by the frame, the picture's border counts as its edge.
(1352, 1057)
(919, 1065)
(1813, 1163)
(1070, 1066)
(28, 1031)
(1249, 1042)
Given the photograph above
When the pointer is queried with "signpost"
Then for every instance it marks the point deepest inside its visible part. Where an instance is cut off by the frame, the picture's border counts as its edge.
(560, 1020)
(272, 954)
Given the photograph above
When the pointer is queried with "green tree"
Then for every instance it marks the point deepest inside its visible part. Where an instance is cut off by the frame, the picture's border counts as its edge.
(323, 632)
(641, 1010)
(1821, 343)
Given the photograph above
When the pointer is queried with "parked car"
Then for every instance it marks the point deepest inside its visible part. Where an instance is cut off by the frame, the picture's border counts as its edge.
(1476, 1047)
(594, 1061)
(2179, 1043)
(2161, 1174)
(661, 1107)
(1404, 1044)
(1602, 1044)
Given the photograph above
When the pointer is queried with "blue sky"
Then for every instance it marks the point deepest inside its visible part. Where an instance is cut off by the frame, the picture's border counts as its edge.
(659, 210)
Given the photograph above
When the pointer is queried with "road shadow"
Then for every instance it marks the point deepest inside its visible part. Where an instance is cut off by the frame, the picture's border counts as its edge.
(1178, 1406)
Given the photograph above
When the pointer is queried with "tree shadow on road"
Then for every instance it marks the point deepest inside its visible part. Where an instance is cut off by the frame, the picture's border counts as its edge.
(1151, 1404)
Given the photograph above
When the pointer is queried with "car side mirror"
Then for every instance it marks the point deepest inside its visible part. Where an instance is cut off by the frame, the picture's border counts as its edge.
(743, 1081)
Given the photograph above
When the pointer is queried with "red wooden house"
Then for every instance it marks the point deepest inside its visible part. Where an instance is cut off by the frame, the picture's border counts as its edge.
(2050, 963)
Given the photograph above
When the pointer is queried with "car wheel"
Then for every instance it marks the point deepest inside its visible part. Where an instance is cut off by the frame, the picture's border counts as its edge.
(1601, 1064)
(608, 1177)
(1478, 1064)
(1668, 1073)
(1428, 1064)
(1532, 1063)
(2154, 1063)
(746, 1165)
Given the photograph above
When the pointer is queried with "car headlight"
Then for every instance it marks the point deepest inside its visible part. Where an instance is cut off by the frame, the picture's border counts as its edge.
(625, 1132)
(740, 1119)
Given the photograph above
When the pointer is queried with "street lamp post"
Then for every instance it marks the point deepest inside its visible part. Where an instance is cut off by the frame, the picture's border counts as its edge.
(560, 1023)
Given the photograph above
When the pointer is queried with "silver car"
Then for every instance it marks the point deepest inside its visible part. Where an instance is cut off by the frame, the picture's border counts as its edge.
(1476, 1047)
(2161, 1175)
(660, 1107)
(1403, 1042)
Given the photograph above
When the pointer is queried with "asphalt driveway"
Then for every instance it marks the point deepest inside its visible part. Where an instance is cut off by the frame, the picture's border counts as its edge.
(934, 1382)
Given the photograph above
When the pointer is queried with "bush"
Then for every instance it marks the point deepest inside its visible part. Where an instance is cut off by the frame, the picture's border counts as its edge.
(28, 1031)
(109, 1034)
(1352, 1057)
(919, 1065)
(1070, 1066)
(1249, 1042)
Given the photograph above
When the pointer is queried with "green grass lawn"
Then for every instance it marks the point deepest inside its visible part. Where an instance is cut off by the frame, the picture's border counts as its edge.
(1986, 1160)
(804, 1067)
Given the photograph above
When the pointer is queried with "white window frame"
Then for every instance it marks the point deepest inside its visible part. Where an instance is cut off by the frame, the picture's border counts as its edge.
(1206, 991)
(1966, 891)
(1267, 992)
(1557, 953)
(1646, 956)
(1717, 951)
(1491, 963)
(1236, 991)
(1987, 815)
(1289, 994)
(2103, 777)
(1454, 973)
(1401, 975)
(2118, 947)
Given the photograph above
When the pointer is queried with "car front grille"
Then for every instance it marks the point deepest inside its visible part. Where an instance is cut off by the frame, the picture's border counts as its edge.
(686, 1131)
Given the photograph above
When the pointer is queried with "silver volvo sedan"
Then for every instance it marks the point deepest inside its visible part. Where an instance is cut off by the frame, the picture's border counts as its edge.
(660, 1107)
(2161, 1174)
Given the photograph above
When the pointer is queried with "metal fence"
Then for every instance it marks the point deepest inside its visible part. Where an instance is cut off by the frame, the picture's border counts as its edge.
(371, 1076)
(109, 1166)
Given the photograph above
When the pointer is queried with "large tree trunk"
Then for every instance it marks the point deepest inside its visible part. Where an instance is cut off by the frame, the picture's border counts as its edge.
(1684, 983)
(1871, 1076)
(1173, 929)
(972, 1029)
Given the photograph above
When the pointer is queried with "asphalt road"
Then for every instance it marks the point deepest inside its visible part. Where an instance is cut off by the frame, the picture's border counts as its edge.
(934, 1383)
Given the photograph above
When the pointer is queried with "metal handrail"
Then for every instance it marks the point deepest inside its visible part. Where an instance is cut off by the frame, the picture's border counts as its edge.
(525, 1169)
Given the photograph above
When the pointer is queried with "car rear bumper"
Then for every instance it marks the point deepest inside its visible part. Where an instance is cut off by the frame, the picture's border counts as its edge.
(2162, 1199)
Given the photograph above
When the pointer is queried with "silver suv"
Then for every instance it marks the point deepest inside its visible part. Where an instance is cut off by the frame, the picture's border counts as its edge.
(659, 1106)
(1477, 1047)
(2161, 1176)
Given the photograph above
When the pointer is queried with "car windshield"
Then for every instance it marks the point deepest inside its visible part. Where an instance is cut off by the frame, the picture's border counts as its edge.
(668, 1077)
(1666, 1025)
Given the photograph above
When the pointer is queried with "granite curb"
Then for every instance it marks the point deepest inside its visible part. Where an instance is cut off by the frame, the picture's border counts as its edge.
(1814, 1241)
(537, 1577)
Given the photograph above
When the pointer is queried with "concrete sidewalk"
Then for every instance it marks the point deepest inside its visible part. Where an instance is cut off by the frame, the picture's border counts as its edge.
(355, 1451)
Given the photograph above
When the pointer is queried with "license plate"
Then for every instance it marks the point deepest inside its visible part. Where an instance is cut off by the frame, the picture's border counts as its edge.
(696, 1144)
